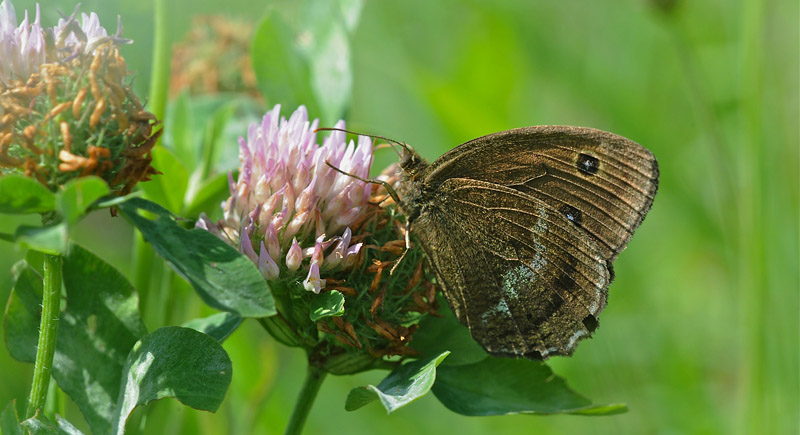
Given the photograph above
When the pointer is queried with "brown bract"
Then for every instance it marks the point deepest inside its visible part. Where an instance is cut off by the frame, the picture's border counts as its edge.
(388, 305)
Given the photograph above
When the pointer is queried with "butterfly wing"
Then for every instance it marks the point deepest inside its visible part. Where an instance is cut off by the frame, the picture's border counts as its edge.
(518, 273)
(602, 183)
(521, 228)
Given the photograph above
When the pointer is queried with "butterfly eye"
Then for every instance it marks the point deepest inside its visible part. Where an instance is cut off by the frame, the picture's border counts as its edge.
(411, 162)
(588, 164)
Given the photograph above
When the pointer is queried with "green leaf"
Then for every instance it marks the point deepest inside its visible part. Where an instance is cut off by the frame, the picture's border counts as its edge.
(116, 200)
(438, 334)
(326, 305)
(281, 70)
(210, 193)
(65, 427)
(224, 278)
(21, 195)
(403, 385)
(23, 312)
(179, 130)
(9, 421)
(212, 138)
(498, 386)
(168, 188)
(311, 63)
(219, 326)
(50, 239)
(39, 425)
(174, 362)
(34, 259)
(351, 13)
(78, 195)
(328, 54)
(98, 327)
(610, 409)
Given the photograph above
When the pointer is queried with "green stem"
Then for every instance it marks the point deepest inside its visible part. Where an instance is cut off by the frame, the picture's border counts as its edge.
(159, 75)
(51, 299)
(756, 410)
(721, 178)
(144, 264)
(314, 378)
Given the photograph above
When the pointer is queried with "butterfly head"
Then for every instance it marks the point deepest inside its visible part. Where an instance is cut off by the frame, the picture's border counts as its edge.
(411, 162)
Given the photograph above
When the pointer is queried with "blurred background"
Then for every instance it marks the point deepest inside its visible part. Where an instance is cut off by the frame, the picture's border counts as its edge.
(701, 331)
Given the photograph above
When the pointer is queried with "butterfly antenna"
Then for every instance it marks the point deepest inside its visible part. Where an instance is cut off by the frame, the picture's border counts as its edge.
(402, 145)
(385, 185)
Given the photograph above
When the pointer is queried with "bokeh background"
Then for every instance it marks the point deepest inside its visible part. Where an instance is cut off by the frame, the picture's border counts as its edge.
(701, 331)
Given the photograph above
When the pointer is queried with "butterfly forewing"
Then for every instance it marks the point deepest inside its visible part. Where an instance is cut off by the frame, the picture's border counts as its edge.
(601, 182)
(514, 270)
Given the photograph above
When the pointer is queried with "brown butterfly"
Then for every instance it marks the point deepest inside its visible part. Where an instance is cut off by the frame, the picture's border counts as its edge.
(521, 228)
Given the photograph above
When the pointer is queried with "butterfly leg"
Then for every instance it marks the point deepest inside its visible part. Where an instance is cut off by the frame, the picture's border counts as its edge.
(405, 251)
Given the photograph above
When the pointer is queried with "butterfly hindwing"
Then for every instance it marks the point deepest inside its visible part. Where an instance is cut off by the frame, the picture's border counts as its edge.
(518, 273)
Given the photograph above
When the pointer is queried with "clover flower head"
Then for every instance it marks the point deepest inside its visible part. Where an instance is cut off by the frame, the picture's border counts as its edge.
(290, 203)
(23, 46)
(329, 242)
(66, 108)
(73, 37)
(214, 57)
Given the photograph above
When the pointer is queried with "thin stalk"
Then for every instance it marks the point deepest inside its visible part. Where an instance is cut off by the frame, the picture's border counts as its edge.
(48, 329)
(159, 75)
(721, 178)
(314, 378)
(753, 279)
(144, 262)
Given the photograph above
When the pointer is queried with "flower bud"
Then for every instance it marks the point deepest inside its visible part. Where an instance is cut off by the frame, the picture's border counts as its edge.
(266, 265)
(295, 256)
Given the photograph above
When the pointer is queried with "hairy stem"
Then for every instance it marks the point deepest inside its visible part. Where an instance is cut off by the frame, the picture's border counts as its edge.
(48, 329)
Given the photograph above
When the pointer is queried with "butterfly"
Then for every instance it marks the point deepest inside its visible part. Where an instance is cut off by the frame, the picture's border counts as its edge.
(521, 228)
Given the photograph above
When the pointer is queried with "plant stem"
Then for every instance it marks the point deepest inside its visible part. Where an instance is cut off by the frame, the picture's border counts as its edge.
(48, 329)
(144, 262)
(758, 413)
(159, 74)
(142, 265)
(314, 378)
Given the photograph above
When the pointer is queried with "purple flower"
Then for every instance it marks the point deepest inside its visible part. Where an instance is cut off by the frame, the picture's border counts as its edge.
(313, 283)
(290, 203)
(73, 38)
(22, 47)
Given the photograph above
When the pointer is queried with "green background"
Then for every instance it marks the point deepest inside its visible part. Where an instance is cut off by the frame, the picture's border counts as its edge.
(701, 331)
